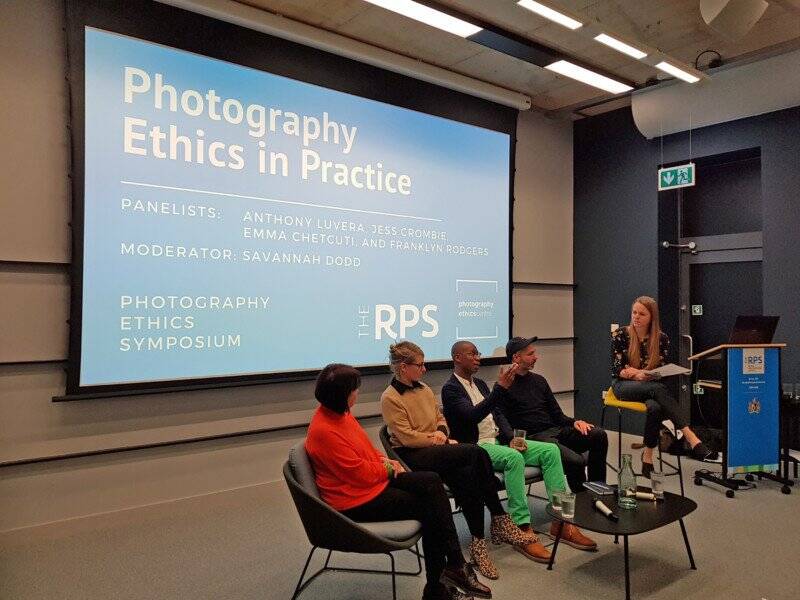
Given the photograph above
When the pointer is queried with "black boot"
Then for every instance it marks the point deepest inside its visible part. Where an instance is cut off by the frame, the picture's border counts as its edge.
(702, 452)
(440, 591)
(465, 579)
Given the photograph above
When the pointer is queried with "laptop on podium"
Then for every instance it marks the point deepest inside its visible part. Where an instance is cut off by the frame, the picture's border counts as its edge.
(753, 329)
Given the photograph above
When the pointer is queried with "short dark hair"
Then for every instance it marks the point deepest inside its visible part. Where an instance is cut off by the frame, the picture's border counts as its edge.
(335, 384)
(458, 347)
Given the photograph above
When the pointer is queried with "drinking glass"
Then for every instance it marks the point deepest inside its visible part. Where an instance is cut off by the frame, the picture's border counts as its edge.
(568, 505)
(657, 483)
(519, 440)
(555, 502)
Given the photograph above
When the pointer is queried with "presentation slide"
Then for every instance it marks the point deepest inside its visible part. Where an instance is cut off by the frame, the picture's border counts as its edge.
(238, 223)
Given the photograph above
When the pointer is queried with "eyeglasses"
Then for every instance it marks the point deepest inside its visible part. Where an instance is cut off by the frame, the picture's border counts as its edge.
(418, 365)
(474, 354)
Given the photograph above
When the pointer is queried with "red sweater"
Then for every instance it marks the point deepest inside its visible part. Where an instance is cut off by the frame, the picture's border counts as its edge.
(349, 471)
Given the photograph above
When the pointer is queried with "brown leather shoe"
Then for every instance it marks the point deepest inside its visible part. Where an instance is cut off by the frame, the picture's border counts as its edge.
(572, 536)
(534, 551)
(466, 580)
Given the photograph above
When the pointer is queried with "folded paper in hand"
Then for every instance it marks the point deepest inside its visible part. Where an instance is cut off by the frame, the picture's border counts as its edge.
(668, 371)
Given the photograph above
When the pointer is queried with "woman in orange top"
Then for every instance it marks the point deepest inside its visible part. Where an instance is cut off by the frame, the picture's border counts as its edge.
(366, 486)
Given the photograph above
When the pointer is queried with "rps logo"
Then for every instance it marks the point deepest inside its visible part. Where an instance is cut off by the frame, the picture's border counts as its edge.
(395, 322)
(753, 361)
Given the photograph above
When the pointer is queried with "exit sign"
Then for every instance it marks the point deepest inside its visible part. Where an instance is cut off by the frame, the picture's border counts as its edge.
(676, 177)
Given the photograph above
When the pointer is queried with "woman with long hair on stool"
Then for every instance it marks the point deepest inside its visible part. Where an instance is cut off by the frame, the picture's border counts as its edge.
(639, 347)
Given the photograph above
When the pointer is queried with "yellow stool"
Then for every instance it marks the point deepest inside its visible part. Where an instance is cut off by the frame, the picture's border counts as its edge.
(610, 400)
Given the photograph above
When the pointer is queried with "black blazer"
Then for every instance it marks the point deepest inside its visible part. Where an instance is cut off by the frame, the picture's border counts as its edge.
(463, 417)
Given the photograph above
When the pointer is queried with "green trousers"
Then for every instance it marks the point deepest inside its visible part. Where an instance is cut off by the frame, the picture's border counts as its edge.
(512, 463)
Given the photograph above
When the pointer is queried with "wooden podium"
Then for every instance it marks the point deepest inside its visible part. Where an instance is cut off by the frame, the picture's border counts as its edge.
(751, 393)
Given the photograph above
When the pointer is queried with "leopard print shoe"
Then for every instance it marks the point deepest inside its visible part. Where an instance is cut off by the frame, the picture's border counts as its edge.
(479, 555)
(504, 530)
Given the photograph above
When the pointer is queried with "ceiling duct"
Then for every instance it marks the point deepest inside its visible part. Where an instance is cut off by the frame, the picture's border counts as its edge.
(732, 93)
(732, 19)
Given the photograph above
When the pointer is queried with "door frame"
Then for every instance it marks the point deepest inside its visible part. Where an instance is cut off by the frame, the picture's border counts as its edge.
(710, 249)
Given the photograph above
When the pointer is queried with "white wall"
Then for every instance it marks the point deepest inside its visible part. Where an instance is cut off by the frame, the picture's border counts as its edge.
(543, 205)
(542, 297)
(34, 304)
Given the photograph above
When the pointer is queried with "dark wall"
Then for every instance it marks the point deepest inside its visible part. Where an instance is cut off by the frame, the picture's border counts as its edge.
(616, 220)
(615, 251)
(726, 199)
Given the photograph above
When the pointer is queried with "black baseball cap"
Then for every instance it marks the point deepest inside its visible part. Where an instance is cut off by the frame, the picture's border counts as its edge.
(516, 344)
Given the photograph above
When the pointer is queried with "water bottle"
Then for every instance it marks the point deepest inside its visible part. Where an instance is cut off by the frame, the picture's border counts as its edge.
(627, 484)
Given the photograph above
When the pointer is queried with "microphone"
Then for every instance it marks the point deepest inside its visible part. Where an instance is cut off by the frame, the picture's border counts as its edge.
(599, 505)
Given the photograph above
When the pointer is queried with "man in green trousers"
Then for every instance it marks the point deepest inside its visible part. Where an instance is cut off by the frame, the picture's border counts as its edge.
(474, 416)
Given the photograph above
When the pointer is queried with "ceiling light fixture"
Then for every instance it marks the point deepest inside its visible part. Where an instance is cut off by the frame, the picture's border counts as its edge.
(588, 77)
(429, 16)
(549, 13)
(676, 72)
(620, 46)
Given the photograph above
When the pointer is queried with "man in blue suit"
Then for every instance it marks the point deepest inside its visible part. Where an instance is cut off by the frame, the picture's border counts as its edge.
(474, 416)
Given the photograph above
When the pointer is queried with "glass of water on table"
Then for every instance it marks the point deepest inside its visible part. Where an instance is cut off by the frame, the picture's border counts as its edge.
(568, 505)
(657, 483)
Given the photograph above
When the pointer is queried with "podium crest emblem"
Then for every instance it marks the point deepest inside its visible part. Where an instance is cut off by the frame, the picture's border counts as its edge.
(754, 406)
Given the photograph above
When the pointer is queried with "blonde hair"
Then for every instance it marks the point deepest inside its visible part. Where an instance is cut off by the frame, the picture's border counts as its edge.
(403, 353)
(654, 334)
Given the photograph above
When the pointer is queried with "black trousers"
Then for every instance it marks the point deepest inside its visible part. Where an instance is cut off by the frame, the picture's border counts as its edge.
(572, 444)
(467, 471)
(660, 402)
(420, 496)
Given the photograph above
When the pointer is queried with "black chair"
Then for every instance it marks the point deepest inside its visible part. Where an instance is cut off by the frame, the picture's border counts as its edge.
(532, 474)
(330, 530)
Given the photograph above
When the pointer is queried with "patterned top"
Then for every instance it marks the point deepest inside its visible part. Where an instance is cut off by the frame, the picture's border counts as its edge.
(619, 350)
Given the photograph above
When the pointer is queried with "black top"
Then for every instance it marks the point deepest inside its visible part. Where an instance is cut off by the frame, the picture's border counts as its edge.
(619, 350)
(647, 516)
(463, 417)
(530, 404)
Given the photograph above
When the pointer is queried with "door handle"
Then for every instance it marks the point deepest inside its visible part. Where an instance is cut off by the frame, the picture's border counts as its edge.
(690, 246)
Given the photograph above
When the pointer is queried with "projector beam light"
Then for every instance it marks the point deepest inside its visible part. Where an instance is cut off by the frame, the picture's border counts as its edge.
(568, 69)
(620, 46)
(429, 16)
(676, 72)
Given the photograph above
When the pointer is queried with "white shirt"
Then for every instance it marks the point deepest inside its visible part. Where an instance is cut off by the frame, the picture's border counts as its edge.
(487, 430)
